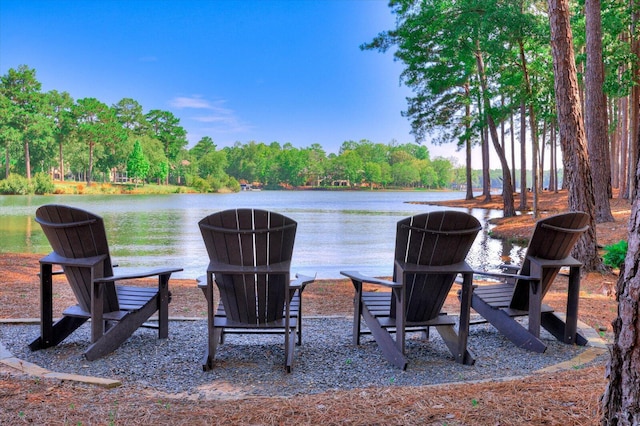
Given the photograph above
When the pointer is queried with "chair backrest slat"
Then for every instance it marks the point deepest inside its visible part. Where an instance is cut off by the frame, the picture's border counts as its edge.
(553, 238)
(432, 239)
(75, 233)
(250, 237)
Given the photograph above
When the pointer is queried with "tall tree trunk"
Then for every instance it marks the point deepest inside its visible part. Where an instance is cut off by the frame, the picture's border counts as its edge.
(513, 150)
(534, 163)
(469, 175)
(7, 168)
(486, 166)
(27, 158)
(508, 208)
(615, 143)
(621, 399)
(572, 136)
(484, 147)
(624, 143)
(90, 173)
(542, 154)
(467, 144)
(553, 162)
(523, 156)
(61, 156)
(533, 128)
(634, 114)
(596, 114)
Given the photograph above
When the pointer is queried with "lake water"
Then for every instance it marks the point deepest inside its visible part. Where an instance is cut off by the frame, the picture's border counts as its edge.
(337, 230)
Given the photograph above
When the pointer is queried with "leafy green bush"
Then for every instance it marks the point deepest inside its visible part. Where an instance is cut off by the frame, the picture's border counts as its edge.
(43, 184)
(233, 184)
(15, 185)
(615, 254)
(199, 184)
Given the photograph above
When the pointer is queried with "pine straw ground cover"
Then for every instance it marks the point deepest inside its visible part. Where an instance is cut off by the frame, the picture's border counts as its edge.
(566, 398)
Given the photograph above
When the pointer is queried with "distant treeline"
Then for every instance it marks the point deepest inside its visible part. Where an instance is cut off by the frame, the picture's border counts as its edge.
(87, 140)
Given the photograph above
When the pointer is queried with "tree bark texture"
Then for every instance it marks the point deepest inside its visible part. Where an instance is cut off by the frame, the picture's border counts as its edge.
(467, 143)
(624, 143)
(621, 399)
(571, 128)
(523, 157)
(27, 158)
(553, 167)
(508, 208)
(469, 176)
(486, 177)
(634, 119)
(596, 114)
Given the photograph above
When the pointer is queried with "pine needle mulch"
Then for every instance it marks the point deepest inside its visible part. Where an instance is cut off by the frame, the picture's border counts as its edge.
(567, 398)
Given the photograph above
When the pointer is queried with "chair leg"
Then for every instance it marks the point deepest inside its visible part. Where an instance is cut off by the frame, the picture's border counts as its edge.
(387, 345)
(59, 331)
(117, 334)
(558, 328)
(451, 339)
(299, 328)
(290, 340)
(357, 311)
(163, 306)
(210, 355)
(508, 326)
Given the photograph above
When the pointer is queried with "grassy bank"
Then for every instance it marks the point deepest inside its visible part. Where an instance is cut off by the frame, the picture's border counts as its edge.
(111, 188)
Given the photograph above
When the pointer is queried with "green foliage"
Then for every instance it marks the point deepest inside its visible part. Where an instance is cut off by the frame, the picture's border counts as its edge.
(15, 185)
(615, 254)
(86, 137)
(137, 163)
(19, 185)
(233, 184)
(198, 183)
(42, 184)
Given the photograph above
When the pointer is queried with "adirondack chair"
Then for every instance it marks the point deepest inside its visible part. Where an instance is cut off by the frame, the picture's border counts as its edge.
(430, 253)
(79, 243)
(250, 257)
(521, 294)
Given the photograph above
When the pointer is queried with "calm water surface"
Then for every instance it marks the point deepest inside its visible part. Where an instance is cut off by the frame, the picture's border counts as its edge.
(336, 230)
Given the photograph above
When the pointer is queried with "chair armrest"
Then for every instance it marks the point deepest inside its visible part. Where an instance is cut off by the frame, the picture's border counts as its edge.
(354, 275)
(503, 275)
(87, 262)
(509, 268)
(301, 281)
(569, 261)
(153, 273)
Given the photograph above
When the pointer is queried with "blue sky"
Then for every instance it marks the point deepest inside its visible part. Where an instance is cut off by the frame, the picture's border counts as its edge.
(270, 70)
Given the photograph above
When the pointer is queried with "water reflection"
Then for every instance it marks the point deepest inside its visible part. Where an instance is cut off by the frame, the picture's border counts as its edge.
(336, 230)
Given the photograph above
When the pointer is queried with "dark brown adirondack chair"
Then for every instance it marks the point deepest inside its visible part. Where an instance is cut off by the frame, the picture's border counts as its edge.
(250, 257)
(430, 253)
(521, 294)
(79, 243)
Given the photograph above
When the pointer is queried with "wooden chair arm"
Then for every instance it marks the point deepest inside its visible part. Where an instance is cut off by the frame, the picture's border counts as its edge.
(357, 276)
(548, 263)
(508, 267)
(301, 281)
(155, 272)
(503, 275)
(87, 262)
